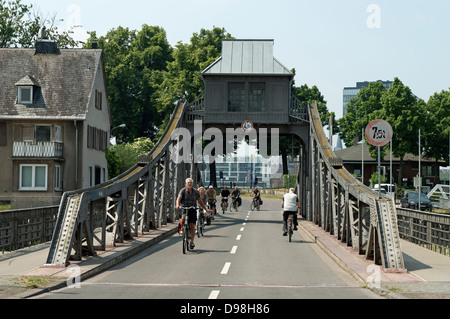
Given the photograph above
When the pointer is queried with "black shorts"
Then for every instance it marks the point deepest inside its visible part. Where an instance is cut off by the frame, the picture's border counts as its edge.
(191, 214)
(211, 203)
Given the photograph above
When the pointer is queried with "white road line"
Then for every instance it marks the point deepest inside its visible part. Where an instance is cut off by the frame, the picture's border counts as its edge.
(244, 224)
(214, 294)
(233, 250)
(225, 269)
(238, 237)
(242, 228)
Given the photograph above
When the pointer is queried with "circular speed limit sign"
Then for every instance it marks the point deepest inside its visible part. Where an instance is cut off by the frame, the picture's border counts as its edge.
(379, 133)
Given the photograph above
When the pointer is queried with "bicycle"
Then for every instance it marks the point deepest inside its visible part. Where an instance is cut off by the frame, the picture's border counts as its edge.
(224, 204)
(200, 224)
(235, 204)
(187, 231)
(290, 228)
(255, 204)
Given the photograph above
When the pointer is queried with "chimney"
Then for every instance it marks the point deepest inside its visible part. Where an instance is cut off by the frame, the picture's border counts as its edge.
(94, 44)
(44, 45)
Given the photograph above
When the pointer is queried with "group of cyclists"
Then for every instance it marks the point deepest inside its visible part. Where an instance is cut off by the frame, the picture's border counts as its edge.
(190, 196)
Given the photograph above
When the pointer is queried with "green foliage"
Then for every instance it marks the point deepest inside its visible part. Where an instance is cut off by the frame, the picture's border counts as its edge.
(134, 64)
(122, 157)
(20, 25)
(289, 181)
(374, 178)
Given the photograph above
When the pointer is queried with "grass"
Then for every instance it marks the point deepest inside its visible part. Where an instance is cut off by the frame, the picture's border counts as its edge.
(31, 282)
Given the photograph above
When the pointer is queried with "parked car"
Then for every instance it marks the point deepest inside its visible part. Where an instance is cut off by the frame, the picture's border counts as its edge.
(411, 200)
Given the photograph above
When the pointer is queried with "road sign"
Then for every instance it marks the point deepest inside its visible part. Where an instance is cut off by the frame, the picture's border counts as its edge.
(379, 133)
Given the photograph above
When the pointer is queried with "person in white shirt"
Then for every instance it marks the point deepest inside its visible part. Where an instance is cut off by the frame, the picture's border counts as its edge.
(290, 205)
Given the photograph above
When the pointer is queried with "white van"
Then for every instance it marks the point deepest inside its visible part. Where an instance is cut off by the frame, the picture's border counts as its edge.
(389, 188)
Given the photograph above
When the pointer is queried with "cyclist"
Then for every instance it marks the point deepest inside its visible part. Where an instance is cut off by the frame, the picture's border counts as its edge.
(290, 205)
(204, 198)
(188, 197)
(257, 195)
(235, 195)
(211, 194)
(225, 193)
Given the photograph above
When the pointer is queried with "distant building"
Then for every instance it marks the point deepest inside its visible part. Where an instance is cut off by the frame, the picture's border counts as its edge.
(351, 92)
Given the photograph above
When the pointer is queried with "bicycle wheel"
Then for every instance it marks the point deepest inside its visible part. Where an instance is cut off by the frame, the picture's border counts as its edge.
(198, 228)
(185, 244)
(187, 234)
(290, 231)
(252, 206)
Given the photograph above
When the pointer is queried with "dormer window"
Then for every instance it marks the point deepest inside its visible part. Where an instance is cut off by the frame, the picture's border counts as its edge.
(29, 92)
(25, 95)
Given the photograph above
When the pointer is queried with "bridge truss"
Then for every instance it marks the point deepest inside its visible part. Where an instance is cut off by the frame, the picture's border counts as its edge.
(143, 198)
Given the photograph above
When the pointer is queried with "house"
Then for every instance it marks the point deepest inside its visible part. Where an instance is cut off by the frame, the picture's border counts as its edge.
(54, 122)
(352, 156)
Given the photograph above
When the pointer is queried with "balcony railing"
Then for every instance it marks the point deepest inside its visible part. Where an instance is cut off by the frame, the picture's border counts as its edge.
(37, 149)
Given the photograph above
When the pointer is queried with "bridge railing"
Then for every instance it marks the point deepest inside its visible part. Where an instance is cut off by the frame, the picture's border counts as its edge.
(429, 230)
(347, 209)
(26, 227)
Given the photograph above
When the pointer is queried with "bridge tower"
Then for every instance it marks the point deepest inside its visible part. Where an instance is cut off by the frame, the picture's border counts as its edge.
(247, 84)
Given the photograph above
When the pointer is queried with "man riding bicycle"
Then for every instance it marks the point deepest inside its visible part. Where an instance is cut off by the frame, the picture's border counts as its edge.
(235, 195)
(290, 205)
(225, 193)
(188, 197)
(257, 195)
(211, 194)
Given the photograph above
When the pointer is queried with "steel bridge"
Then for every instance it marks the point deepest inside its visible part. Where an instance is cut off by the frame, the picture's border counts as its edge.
(143, 198)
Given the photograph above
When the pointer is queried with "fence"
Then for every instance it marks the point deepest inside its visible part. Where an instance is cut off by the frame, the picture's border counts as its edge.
(426, 229)
(26, 227)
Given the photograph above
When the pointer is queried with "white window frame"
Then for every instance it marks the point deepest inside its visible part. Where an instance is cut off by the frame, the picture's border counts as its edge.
(33, 178)
(58, 178)
(20, 100)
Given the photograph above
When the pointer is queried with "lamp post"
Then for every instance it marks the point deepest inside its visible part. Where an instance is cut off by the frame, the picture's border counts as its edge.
(111, 132)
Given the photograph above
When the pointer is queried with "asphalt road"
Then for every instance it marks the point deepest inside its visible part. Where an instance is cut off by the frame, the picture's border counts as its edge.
(243, 255)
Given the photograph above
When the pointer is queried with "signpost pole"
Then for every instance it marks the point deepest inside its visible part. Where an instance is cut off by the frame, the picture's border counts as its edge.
(379, 175)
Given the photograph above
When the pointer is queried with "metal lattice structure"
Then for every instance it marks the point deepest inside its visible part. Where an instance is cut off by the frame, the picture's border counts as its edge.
(143, 198)
(135, 202)
(347, 209)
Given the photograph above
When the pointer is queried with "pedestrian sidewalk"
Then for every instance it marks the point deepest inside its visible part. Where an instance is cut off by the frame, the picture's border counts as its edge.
(18, 268)
(427, 273)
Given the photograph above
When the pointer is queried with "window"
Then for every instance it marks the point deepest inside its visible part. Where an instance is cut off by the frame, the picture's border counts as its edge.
(98, 100)
(25, 95)
(33, 177)
(43, 133)
(58, 185)
(257, 97)
(236, 97)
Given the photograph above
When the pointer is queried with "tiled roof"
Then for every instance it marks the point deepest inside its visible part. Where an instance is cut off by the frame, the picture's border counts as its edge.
(64, 82)
(354, 154)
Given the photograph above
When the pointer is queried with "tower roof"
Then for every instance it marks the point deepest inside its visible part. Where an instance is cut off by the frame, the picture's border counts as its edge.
(247, 57)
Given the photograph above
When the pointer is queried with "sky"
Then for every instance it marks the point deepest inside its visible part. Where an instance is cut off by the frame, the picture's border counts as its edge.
(332, 44)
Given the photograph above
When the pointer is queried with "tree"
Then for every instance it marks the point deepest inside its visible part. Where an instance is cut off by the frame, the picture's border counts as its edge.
(135, 62)
(360, 112)
(181, 80)
(122, 157)
(406, 114)
(20, 25)
(437, 128)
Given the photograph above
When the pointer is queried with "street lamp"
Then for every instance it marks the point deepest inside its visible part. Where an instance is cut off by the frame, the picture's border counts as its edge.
(121, 125)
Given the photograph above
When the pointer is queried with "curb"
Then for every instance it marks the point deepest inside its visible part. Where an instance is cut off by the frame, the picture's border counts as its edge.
(90, 272)
(385, 293)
